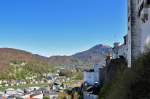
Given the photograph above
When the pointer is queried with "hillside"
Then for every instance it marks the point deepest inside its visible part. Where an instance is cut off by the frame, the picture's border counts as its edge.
(64, 61)
(8, 55)
(19, 64)
(95, 55)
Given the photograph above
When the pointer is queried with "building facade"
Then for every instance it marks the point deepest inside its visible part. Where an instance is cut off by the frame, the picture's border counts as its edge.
(138, 29)
(94, 75)
(89, 96)
(120, 50)
(93, 80)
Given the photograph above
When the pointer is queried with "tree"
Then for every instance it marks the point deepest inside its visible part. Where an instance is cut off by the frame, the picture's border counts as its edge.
(46, 97)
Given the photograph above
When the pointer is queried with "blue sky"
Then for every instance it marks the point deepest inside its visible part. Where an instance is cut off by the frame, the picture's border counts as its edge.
(61, 27)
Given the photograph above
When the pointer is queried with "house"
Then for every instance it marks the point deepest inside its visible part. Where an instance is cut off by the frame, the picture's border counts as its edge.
(37, 96)
(93, 79)
(25, 96)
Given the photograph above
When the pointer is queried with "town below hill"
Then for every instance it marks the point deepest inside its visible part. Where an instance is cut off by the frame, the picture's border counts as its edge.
(10, 57)
(34, 75)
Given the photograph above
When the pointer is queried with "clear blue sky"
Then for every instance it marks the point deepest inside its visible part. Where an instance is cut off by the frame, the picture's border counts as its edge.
(61, 27)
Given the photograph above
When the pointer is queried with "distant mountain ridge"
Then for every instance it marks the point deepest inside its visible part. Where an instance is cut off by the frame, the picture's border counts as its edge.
(64, 61)
(95, 55)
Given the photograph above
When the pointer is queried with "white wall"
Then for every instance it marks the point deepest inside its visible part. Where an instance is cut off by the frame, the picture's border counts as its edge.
(38, 96)
(89, 77)
(145, 34)
(94, 76)
(123, 50)
(89, 96)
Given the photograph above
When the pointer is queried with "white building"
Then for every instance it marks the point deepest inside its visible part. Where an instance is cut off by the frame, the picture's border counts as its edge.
(93, 75)
(143, 7)
(39, 96)
(137, 40)
(138, 28)
(121, 50)
(90, 96)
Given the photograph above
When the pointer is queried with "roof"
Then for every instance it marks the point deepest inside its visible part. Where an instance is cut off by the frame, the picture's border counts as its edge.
(3, 97)
(89, 70)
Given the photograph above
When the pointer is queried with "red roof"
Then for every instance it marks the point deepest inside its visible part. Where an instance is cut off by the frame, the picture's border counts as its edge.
(3, 97)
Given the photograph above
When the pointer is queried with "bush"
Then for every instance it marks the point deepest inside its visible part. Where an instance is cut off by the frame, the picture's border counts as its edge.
(46, 97)
(132, 83)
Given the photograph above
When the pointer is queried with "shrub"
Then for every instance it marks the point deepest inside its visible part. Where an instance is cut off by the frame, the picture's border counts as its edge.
(132, 83)
(46, 97)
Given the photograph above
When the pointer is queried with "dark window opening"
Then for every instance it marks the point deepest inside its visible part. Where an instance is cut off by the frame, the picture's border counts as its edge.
(140, 9)
(148, 2)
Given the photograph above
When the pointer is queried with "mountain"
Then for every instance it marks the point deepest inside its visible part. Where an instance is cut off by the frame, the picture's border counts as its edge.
(64, 61)
(95, 55)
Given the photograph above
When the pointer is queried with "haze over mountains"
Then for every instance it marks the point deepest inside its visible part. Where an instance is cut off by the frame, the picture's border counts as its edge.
(94, 55)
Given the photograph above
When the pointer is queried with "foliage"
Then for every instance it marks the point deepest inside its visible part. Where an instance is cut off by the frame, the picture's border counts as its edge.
(64, 96)
(18, 64)
(132, 83)
(46, 97)
(65, 72)
(18, 71)
(78, 75)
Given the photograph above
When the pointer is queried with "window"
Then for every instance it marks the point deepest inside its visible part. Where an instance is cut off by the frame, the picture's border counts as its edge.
(140, 9)
(144, 18)
(148, 2)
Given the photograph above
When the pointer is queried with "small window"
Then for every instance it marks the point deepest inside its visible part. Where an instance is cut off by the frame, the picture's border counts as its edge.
(144, 18)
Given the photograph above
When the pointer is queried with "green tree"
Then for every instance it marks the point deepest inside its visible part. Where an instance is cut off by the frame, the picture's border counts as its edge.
(46, 97)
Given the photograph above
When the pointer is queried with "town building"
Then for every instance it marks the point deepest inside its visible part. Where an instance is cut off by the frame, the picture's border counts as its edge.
(92, 76)
(93, 80)
(90, 96)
